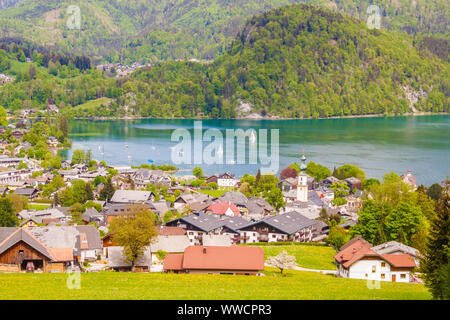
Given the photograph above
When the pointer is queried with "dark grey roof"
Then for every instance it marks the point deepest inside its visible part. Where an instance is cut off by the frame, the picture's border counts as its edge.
(238, 198)
(20, 234)
(200, 220)
(235, 223)
(25, 191)
(289, 222)
(257, 205)
(93, 236)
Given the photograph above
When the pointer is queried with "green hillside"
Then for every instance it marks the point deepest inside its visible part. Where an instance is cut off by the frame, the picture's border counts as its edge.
(297, 61)
(155, 30)
(301, 61)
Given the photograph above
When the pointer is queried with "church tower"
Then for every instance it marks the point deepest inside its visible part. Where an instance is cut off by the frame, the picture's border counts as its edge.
(302, 184)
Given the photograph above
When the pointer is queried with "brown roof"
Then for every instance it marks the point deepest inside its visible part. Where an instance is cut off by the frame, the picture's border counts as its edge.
(353, 251)
(223, 258)
(354, 240)
(357, 248)
(400, 260)
(173, 261)
(170, 231)
(61, 254)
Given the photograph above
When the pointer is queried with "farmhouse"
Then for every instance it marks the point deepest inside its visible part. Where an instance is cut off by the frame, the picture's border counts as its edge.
(358, 260)
(20, 250)
(216, 260)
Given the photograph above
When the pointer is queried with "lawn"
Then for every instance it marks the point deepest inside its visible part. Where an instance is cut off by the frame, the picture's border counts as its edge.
(296, 285)
(312, 257)
(213, 193)
(38, 206)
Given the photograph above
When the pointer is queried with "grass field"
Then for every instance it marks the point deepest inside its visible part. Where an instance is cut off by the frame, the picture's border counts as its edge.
(296, 285)
(213, 193)
(39, 206)
(312, 257)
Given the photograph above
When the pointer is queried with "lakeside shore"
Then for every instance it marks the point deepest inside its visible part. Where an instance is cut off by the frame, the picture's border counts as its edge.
(273, 117)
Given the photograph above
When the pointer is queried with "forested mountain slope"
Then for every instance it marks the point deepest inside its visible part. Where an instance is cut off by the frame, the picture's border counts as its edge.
(154, 30)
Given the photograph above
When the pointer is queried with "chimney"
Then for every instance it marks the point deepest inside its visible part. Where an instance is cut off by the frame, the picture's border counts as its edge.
(204, 250)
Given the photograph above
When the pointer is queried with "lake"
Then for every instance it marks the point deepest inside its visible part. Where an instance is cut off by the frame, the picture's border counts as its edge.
(375, 144)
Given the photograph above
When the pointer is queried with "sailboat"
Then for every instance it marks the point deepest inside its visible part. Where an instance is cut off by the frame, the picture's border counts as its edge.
(253, 137)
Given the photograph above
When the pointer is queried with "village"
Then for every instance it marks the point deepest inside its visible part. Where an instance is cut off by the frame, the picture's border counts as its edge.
(203, 224)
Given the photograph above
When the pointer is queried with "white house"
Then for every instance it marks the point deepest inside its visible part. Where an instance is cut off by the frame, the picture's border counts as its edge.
(357, 260)
(226, 180)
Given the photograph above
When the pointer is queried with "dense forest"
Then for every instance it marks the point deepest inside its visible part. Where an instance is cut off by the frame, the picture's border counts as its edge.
(153, 30)
(296, 61)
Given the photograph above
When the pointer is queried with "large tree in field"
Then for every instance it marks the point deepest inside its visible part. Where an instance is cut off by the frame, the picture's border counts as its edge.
(435, 262)
(134, 231)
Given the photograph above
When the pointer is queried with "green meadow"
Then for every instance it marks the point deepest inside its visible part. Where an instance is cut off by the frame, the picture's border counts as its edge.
(307, 256)
(295, 285)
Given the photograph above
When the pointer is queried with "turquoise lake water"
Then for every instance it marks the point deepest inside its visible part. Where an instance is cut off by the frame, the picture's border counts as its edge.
(377, 145)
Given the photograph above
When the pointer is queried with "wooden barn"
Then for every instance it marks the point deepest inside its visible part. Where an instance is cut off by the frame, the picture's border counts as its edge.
(20, 249)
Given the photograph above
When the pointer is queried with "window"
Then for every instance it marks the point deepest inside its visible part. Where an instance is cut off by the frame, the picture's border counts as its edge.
(382, 276)
(374, 269)
(403, 276)
(366, 275)
(383, 264)
(20, 251)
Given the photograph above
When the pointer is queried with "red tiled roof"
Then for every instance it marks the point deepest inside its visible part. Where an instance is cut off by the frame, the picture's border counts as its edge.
(173, 261)
(399, 260)
(353, 251)
(222, 207)
(170, 231)
(223, 258)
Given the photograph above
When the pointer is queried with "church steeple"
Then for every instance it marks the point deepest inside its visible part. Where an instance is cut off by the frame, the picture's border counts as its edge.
(303, 163)
(302, 185)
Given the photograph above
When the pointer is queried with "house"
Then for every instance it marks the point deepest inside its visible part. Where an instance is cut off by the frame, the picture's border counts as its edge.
(258, 208)
(185, 199)
(117, 261)
(69, 175)
(409, 179)
(30, 193)
(237, 198)
(358, 260)
(287, 184)
(328, 181)
(216, 260)
(29, 223)
(394, 247)
(12, 177)
(196, 225)
(131, 196)
(20, 250)
(223, 209)
(84, 240)
(226, 180)
(92, 215)
(143, 177)
(112, 210)
(169, 244)
(353, 183)
(290, 226)
(310, 208)
(212, 178)
(217, 240)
